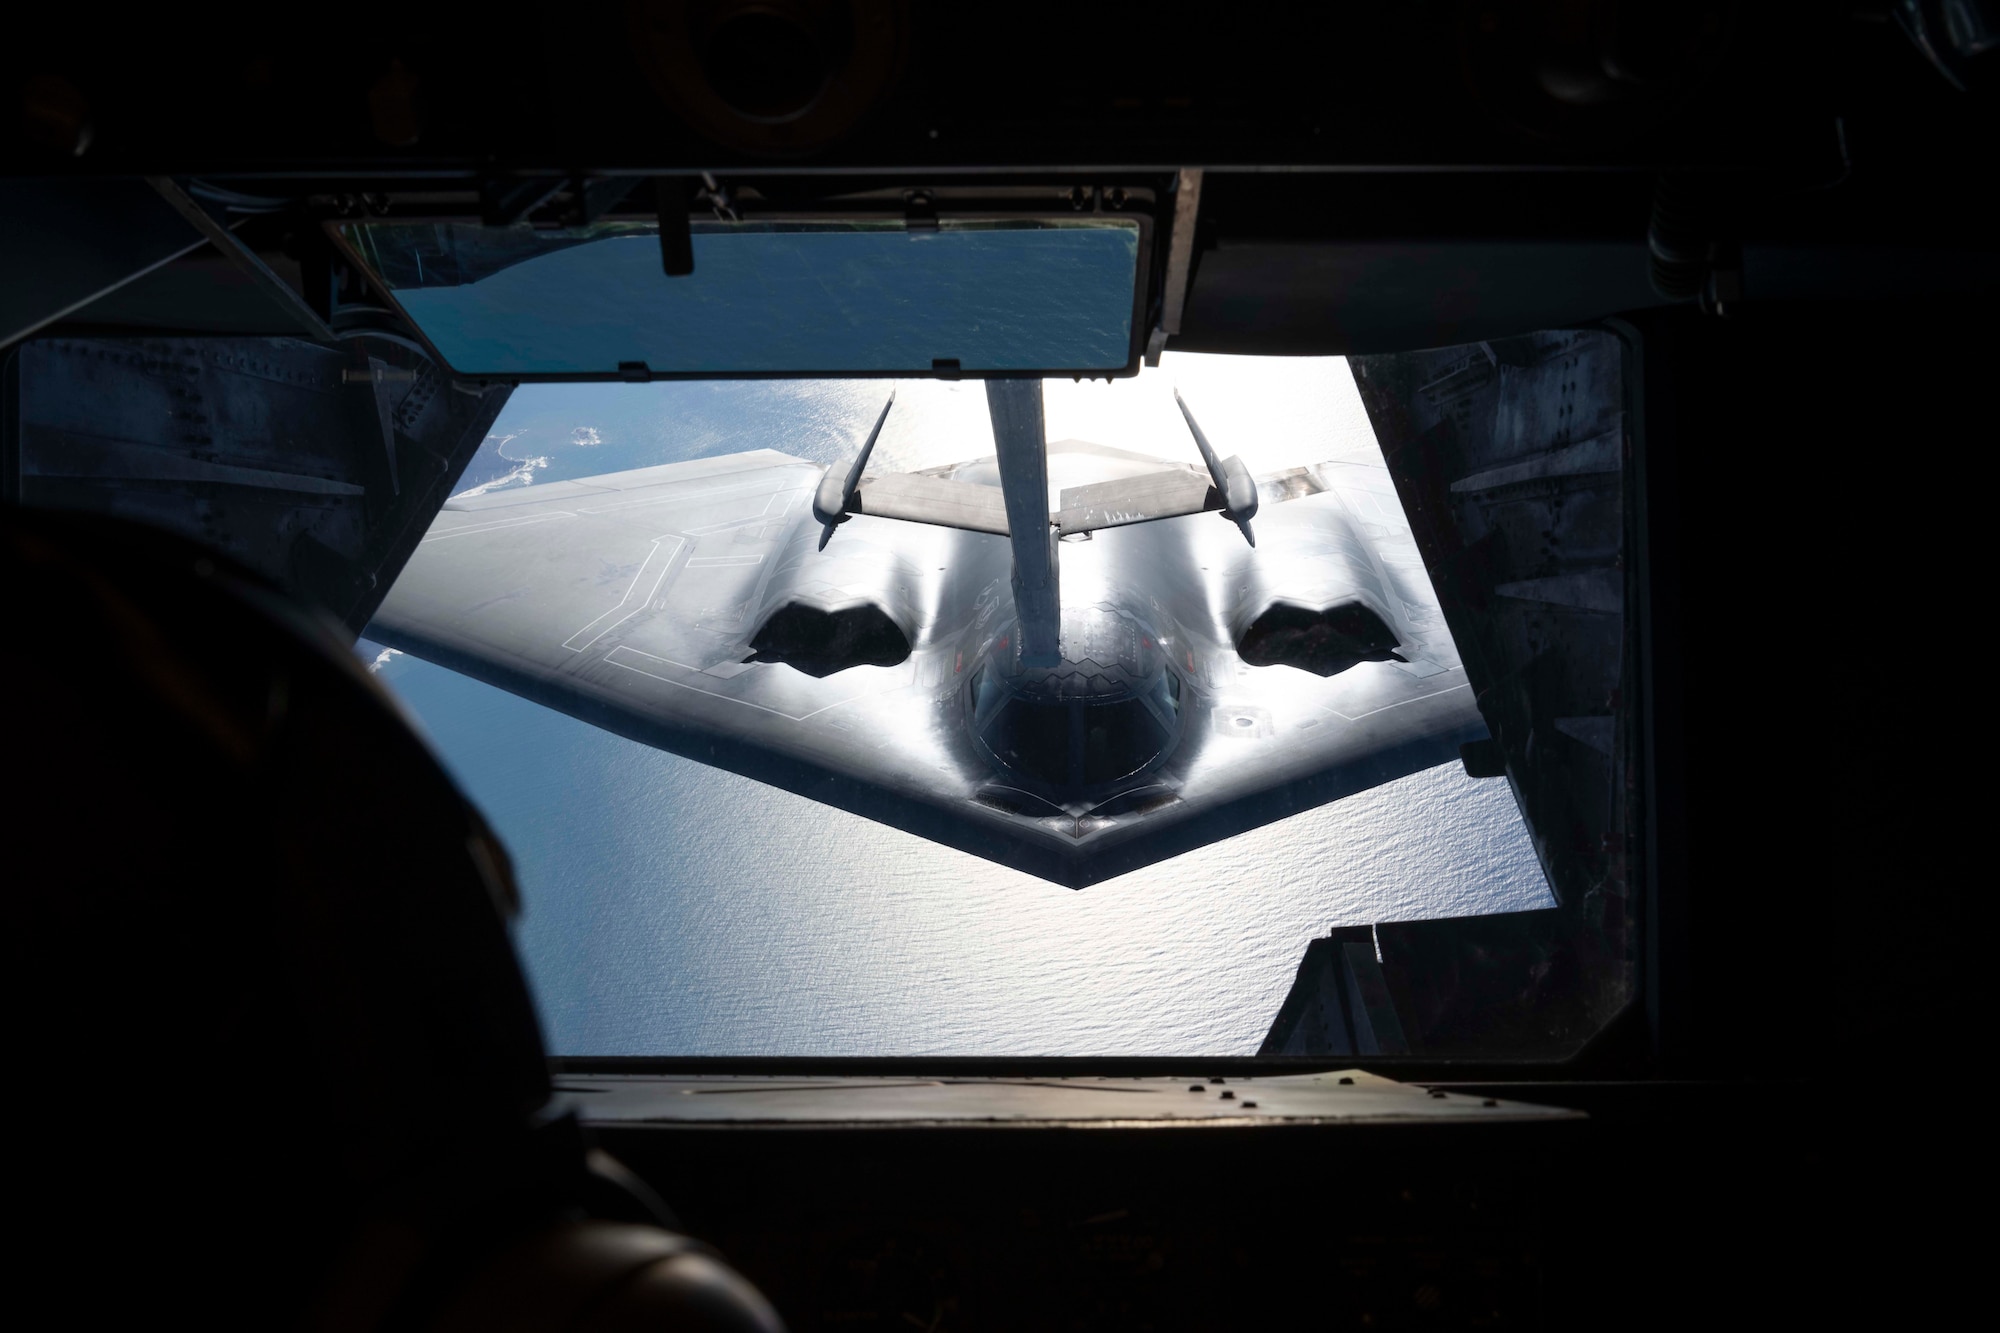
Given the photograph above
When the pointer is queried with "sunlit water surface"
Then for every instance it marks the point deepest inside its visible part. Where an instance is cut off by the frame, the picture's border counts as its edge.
(677, 909)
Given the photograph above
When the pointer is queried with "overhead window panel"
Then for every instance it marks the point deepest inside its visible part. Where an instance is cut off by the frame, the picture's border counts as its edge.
(860, 297)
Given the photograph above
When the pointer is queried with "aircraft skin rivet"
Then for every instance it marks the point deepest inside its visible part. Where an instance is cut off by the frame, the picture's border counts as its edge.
(1197, 1087)
(1348, 1081)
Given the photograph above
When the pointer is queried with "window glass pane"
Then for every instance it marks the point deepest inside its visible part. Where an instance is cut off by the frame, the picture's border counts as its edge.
(1033, 738)
(806, 297)
(1474, 915)
(1118, 739)
(987, 692)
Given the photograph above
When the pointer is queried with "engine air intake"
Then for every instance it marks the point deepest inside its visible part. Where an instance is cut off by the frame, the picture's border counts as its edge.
(820, 643)
(1324, 642)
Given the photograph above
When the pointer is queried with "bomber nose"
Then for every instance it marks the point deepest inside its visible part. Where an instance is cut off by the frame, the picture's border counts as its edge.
(1108, 710)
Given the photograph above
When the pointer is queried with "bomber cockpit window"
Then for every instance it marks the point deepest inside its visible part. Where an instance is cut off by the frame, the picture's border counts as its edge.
(1033, 739)
(1119, 739)
(1068, 745)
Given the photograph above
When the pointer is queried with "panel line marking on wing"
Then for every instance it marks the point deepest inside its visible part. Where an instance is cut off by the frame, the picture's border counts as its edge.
(613, 655)
(472, 528)
(682, 491)
(627, 600)
(1435, 694)
(723, 561)
(736, 522)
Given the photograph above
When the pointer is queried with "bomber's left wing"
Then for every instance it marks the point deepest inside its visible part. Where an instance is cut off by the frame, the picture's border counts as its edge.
(633, 602)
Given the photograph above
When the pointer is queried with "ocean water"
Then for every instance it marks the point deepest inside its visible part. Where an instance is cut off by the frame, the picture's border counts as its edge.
(676, 909)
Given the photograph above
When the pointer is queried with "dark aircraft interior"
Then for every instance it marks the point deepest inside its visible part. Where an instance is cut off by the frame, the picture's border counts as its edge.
(1653, 307)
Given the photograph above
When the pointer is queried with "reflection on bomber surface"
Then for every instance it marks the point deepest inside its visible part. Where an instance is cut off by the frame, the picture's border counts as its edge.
(1054, 657)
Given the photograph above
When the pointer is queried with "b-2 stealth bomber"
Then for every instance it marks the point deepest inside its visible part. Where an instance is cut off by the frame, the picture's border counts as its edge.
(1057, 658)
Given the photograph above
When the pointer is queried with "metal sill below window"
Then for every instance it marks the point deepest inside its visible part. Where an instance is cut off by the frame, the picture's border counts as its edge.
(1342, 1097)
